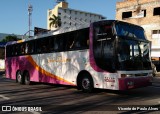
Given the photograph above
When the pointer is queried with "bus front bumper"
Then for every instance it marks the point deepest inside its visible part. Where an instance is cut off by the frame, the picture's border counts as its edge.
(136, 82)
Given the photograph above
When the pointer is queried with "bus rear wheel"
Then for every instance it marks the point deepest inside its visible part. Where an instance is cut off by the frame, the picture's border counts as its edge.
(19, 78)
(26, 78)
(87, 84)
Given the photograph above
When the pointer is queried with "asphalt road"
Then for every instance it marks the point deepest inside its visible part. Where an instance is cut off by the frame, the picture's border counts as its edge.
(68, 100)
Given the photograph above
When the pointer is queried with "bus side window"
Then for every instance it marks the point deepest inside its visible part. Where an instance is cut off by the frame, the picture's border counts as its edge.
(16, 49)
(38, 46)
(51, 43)
(9, 51)
(59, 43)
(44, 45)
(22, 49)
(61, 40)
(69, 41)
(26, 48)
(56, 44)
(13, 50)
(81, 40)
(29, 47)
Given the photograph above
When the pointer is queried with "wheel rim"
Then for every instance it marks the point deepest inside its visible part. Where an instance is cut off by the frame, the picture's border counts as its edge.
(86, 83)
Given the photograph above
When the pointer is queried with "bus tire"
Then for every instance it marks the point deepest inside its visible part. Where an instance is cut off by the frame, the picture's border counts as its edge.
(19, 78)
(86, 84)
(26, 78)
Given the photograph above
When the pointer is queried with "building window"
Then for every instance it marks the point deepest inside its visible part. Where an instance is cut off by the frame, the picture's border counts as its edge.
(155, 33)
(126, 14)
(138, 14)
(156, 11)
(59, 13)
(144, 13)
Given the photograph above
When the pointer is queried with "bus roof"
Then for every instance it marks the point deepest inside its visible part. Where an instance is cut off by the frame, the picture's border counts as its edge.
(50, 33)
(67, 29)
(116, 21)
(61, 31)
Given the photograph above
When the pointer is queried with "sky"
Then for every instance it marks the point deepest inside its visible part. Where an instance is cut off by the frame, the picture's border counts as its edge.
(14, 13)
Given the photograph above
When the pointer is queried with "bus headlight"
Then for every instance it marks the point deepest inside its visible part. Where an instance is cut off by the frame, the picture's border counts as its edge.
(127, 75)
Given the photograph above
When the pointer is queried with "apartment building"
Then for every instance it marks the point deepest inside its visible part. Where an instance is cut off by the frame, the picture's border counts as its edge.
(71, 17)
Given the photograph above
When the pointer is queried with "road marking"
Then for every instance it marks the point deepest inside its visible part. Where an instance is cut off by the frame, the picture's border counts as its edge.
(6, 98)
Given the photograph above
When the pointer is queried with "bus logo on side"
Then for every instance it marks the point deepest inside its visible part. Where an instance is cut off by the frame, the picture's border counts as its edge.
(109, 79)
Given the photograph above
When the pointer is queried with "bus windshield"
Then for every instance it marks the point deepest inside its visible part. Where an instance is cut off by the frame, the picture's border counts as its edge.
(133, 55)
(126, 30)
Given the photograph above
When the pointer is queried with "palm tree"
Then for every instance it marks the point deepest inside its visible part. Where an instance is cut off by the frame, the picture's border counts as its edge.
(10, 38)
(55, 21)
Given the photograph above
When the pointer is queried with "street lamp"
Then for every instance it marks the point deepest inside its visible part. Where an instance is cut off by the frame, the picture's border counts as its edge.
(30, 9)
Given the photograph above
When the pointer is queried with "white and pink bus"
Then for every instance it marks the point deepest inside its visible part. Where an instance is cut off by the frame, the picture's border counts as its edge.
(109, 54)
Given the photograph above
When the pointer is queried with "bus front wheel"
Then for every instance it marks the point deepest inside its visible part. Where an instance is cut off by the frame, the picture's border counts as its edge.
(87, 84)
(19, 77)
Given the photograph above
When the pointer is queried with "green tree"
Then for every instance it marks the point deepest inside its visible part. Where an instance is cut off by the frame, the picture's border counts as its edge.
(10, 38)
(55, 21)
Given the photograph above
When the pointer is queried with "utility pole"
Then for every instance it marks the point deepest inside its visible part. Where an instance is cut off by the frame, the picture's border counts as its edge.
(30, 9)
